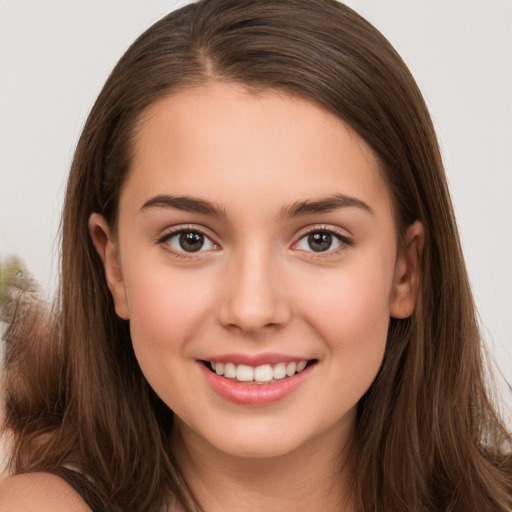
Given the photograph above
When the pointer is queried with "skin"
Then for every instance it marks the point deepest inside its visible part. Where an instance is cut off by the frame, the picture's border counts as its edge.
(39, 492)
(257, 286)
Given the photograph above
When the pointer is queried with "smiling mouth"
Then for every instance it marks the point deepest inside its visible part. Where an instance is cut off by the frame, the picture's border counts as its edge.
(263, 374)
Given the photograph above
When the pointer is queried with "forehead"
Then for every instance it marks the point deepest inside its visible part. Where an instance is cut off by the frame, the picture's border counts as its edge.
(223, 140)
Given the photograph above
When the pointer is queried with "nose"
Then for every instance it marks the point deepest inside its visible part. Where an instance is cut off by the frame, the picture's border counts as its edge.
(253, 298)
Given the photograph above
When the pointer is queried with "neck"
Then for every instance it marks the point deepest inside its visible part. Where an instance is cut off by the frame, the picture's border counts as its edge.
(313, 477)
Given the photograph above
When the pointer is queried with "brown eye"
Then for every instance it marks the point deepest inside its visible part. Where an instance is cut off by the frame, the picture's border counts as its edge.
(320, 242)
(189, 241)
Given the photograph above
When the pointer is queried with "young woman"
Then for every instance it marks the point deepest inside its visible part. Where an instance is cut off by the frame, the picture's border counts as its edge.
(264, 304)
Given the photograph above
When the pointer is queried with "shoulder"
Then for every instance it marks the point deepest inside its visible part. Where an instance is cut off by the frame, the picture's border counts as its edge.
(41, 492)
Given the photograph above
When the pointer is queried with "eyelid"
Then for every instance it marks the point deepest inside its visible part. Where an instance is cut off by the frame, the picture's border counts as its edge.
(168, 233)
(163, 238)
(345, 240)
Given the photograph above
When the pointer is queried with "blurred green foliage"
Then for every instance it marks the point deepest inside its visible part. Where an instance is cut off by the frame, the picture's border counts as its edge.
(14, 279)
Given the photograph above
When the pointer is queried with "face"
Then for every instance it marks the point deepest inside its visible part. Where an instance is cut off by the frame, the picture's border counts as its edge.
(256, 261)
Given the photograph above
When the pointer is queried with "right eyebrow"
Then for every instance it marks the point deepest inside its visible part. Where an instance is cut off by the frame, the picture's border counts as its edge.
(324, 205)
(184, 203)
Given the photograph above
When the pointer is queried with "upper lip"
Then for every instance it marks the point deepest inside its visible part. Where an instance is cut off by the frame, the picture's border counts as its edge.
(256, 360)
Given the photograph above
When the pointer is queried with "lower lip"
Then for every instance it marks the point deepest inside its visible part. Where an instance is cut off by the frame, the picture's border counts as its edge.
(254, 394)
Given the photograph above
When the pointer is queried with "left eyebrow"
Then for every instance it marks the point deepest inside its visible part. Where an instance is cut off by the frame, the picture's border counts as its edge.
(323, 205)
(184, 203)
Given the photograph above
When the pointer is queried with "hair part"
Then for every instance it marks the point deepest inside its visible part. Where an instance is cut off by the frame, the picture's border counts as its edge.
(427, 437)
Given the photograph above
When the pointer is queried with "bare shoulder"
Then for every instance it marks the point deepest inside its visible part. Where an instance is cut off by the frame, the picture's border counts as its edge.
(41, 492)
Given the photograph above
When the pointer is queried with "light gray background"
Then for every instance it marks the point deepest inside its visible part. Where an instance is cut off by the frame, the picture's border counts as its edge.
(56, 54)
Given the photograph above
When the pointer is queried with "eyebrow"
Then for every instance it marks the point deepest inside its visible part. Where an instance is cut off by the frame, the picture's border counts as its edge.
(184, 203)
(323, 205)
(297, 209)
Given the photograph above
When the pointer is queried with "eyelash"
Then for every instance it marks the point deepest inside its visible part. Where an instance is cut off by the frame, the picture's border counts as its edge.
(166, 237)
(164, 240)
(343, 240)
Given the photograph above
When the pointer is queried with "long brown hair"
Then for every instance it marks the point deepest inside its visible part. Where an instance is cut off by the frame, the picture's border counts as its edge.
(427, 437)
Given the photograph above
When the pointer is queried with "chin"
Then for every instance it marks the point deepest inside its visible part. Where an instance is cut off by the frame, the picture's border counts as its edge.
(247, 440)
(268, 448)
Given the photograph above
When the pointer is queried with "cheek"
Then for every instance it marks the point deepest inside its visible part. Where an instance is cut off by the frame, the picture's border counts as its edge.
(165, 311)
(350, 310)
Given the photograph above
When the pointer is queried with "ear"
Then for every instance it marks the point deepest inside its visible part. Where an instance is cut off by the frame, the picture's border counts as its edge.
(107, 249)
(407, 272)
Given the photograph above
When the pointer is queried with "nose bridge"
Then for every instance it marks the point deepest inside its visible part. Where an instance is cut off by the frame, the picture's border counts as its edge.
(253, 296)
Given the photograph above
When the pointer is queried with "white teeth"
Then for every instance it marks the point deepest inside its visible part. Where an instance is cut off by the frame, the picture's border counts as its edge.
(301, 365)
(291, 368)
(230, 371)
(261, 374)
(279, 371)
(244, 373)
